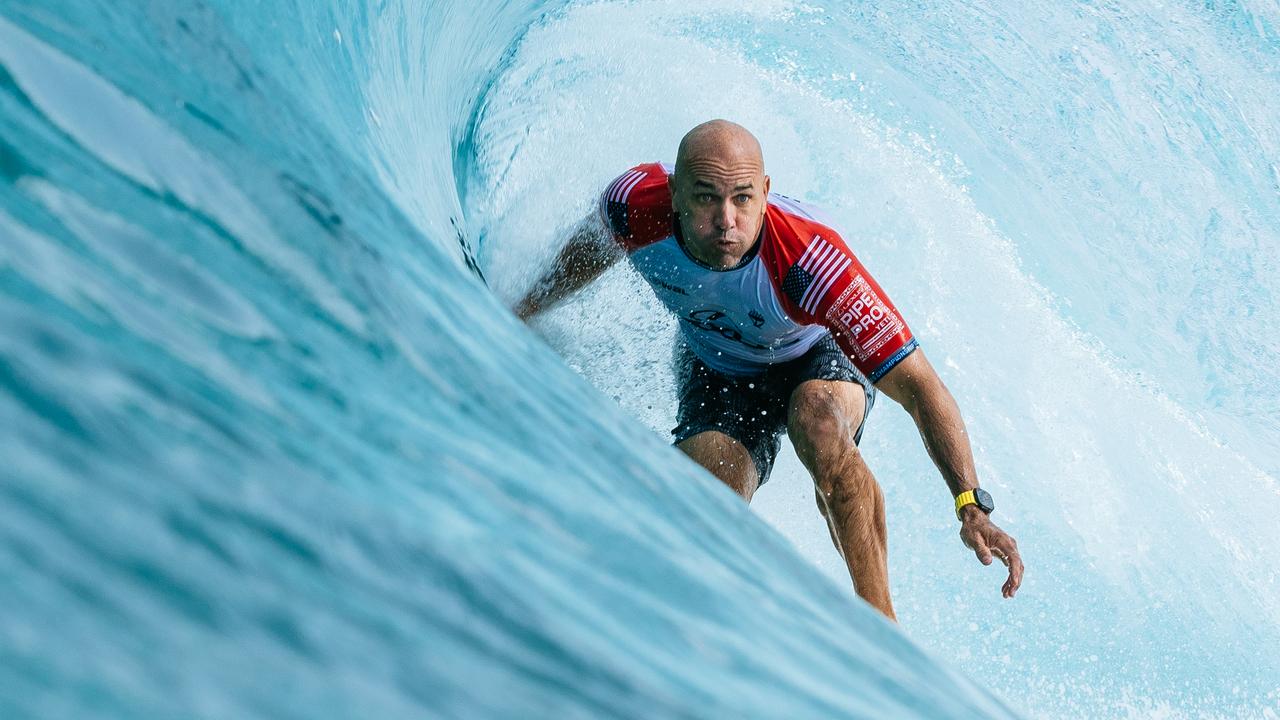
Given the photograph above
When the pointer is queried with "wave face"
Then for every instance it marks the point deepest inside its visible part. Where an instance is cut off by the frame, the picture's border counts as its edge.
(273, 448)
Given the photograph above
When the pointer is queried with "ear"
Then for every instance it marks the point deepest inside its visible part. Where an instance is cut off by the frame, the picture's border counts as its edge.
(766, 187)
(671, 188)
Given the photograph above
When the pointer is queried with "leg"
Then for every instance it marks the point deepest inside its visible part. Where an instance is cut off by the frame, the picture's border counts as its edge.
(823, 417)
(729, 425)
(725, 458)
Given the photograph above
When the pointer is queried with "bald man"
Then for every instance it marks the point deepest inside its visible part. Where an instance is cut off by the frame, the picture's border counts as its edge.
(781, 330)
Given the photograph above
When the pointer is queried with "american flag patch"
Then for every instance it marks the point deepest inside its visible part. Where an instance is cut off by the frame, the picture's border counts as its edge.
(814, 273)
(615, 198)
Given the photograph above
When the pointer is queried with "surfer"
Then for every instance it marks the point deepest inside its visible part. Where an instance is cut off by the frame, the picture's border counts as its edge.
(781, 329)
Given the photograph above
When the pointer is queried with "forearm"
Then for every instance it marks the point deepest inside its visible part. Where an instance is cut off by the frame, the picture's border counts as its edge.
(554, 285)
(915, 386)
(942, 429)
(582, 260)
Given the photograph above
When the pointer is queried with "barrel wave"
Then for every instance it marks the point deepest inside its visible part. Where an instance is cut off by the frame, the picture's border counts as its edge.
(273, 445)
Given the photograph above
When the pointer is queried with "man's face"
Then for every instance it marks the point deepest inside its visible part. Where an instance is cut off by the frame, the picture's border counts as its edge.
(720, 201)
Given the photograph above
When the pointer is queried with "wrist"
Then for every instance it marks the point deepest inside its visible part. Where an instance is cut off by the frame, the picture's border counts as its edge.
(971, 512)
(972, 500)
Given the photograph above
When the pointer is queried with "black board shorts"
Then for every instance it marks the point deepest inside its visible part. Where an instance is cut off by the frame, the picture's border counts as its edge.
(753, 409)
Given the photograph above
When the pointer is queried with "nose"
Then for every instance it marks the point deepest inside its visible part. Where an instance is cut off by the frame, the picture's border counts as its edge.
(725, 217)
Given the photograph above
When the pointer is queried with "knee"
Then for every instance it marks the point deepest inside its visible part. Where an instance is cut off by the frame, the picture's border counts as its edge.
(822, 425)
(812, 413)
(822, 412)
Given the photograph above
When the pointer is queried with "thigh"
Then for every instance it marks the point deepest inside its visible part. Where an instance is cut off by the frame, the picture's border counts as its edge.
(724, 457)
(827, 410)
(744, 409)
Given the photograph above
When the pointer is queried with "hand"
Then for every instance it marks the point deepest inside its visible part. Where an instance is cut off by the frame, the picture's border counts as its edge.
(986, 540)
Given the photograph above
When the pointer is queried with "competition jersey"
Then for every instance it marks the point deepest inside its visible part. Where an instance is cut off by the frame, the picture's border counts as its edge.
(800, 283)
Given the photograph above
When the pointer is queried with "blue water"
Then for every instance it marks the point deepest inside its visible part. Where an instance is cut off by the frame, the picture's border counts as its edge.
(272, 447)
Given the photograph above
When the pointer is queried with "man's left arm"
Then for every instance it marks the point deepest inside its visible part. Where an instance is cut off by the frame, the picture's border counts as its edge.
(825, 283)
(914, 385)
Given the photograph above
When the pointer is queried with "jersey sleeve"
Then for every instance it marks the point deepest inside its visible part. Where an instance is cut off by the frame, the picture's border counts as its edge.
(829, 286)
(636, 206)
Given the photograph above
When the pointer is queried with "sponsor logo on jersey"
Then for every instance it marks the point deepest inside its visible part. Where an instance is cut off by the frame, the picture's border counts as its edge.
(670, 287)
(863, 316)
(718, 322)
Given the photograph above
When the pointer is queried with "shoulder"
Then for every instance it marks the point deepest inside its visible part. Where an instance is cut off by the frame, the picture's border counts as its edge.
(636, 205)
(802, 211)
(796, 228)
(822, 281)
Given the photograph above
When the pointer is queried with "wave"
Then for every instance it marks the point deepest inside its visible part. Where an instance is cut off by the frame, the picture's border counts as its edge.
(275, 447)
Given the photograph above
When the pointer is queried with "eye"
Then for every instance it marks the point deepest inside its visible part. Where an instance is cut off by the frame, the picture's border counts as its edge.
(702, 197)
(743, 198)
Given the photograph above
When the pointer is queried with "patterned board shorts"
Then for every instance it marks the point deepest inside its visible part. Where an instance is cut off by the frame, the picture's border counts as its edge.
(753, 409)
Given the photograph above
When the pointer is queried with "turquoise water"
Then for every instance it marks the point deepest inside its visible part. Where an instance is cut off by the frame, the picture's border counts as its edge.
(273, 448)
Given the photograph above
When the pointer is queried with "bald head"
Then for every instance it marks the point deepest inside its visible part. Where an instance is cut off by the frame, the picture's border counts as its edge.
(720, 143)
(719, 192)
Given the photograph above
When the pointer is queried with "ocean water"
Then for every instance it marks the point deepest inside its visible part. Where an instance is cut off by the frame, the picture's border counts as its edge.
(271, 444)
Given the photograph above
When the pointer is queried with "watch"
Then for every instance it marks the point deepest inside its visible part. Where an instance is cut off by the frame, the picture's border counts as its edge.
(976, 496)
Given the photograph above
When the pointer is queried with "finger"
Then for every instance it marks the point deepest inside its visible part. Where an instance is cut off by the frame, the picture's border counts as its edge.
(998, 553)
(979, 545)
(1014, 562)
(1015, 572)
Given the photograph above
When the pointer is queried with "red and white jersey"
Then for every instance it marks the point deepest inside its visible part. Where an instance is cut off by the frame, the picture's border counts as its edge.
(801, 283)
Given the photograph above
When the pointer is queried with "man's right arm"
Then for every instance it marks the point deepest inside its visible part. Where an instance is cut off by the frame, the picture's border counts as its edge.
(590, 251)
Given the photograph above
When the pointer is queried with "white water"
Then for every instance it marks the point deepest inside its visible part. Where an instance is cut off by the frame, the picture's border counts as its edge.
(1144, 506)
